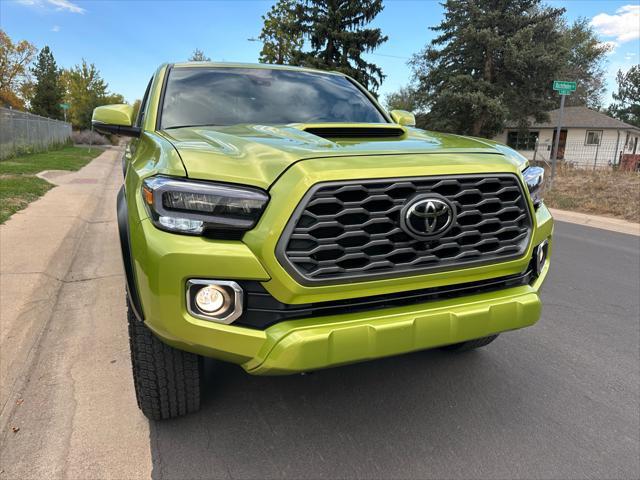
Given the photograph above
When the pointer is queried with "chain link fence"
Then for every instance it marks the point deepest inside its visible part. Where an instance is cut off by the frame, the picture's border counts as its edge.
(605, 154)
(22, 132)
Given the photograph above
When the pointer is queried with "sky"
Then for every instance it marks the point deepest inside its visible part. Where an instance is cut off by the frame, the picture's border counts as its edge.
(128, 40)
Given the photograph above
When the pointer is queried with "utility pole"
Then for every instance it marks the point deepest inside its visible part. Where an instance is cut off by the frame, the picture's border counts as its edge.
(64, 107)
(556, 141)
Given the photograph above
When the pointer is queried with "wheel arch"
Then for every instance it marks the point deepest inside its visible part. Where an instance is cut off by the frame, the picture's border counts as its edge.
(127, 259)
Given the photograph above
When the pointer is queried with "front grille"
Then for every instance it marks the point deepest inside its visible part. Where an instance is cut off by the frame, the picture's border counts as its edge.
(345, 231)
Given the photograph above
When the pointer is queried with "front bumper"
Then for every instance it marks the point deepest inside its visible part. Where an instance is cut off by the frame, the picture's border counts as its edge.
(321, 342)
(305, 345)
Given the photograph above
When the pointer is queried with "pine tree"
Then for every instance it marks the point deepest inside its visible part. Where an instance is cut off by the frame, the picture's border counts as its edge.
(281, 35)
(338, 38)
(493, 60)
(627, 99)
(47, 90)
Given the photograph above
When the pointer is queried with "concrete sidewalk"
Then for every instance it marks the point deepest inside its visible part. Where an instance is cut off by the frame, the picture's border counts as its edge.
(597, 221)
(37, 246)
(68, 408)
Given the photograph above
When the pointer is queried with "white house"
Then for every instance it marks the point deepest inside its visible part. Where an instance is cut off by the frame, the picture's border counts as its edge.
(587, 138)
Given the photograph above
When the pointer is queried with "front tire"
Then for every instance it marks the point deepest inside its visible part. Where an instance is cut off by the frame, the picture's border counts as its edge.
(471, 344)
(167, 381)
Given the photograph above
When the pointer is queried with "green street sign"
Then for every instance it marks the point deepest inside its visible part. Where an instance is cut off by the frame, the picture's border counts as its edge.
(565, 88)
(64, 106)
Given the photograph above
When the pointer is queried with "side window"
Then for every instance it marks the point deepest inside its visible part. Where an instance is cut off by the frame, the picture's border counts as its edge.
(144, 105)
(522, 140)
(593, 137)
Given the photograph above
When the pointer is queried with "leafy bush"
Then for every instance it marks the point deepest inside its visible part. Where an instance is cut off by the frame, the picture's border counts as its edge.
(85, 137)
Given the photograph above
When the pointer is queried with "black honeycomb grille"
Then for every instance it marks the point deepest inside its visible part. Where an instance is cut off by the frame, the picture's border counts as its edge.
(343, 231)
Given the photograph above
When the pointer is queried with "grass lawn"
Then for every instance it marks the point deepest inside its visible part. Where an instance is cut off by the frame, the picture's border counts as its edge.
(18, 183)
(603, 192)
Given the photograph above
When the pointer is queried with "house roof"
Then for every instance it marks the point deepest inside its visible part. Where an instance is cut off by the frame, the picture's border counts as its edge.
(579, 117)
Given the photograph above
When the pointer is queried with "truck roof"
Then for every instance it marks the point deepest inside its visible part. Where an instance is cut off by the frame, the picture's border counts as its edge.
(264, 66)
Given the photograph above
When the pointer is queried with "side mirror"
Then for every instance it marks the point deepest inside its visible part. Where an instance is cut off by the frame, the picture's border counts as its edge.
(402, 117)
(117, 119)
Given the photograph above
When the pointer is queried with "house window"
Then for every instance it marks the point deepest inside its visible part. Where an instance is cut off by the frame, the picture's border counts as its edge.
(522, 140)
(593, 137)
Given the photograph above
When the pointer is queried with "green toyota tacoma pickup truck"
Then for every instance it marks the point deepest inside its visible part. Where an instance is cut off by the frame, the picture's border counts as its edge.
(280, 219)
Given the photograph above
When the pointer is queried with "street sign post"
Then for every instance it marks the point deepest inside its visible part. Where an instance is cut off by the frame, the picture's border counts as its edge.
(561, 86)
(564, 89)
(64, 107)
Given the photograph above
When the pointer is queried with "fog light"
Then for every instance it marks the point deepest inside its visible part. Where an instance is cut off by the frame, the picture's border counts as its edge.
(215, 300)
(212, 299)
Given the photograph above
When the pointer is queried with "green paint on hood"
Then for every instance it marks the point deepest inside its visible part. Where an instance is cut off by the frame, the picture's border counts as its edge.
(258, 154)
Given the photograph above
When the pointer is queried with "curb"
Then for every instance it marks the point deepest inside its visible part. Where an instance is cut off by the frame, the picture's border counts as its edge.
(597, 221)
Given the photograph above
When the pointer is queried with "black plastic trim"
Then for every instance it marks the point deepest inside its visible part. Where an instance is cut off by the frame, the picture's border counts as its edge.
(127, 259)
(368, 131)
(117, 129)
(125, 164)
(163, 90)
(262, 310)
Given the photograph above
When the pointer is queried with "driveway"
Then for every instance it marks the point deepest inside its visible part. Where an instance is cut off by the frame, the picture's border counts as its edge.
(556, 400)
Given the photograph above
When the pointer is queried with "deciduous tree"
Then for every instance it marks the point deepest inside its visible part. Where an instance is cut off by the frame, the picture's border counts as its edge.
(47, 89)
(86, 90)
(584, 56)
(282, 35)
(403, 99)
(136, 107)
(14, 72)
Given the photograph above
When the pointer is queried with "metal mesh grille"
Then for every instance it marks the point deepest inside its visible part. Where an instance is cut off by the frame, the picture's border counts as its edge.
(344, 231)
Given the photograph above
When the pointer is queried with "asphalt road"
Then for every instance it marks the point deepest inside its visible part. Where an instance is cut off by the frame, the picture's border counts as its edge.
(558, 400)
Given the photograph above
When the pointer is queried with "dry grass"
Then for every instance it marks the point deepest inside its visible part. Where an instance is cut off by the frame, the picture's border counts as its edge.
(603, 192)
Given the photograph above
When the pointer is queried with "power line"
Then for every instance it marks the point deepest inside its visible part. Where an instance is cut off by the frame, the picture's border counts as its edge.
(390, 56)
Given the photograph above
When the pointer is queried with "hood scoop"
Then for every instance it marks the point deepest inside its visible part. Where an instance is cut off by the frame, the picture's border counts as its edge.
(364, 131)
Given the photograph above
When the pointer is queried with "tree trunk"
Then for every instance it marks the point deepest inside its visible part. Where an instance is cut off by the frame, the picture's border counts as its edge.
(477, 125)
(487, 76)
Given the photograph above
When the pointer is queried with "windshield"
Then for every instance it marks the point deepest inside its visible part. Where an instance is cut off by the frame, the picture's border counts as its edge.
(229, 96)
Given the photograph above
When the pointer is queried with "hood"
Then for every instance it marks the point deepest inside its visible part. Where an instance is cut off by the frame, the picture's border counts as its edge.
(258, 154)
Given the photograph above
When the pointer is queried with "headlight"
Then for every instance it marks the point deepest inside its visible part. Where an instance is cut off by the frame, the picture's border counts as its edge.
(202, 208)
(534, 178)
